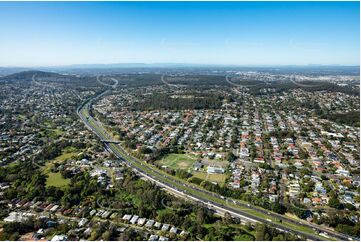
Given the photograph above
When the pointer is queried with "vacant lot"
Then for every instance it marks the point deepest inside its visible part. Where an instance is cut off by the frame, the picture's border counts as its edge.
(218, 178)
(200, 175)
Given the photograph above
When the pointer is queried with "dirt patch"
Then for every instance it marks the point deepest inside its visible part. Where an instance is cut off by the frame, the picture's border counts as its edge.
(27, 237)
(183, 165)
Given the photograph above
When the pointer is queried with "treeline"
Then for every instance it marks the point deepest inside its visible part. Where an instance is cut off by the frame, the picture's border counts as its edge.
(133, 196)
(28, 75)
(66, 80)
(166, 102)
(54, 149)
(152, 202)
(27, 180)
(310, 86)
(139, 80)
(198, 80)
(350, 118)
(265, 233)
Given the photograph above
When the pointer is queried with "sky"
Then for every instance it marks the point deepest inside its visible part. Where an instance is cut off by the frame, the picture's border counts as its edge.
(225, 33)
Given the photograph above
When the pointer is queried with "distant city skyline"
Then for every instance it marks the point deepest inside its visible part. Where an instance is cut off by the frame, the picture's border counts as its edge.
(211, 33)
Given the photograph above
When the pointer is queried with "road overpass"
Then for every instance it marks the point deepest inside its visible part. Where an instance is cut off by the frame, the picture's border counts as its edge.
(110, 141)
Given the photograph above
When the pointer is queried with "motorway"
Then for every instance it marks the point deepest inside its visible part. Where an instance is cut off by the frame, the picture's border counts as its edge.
(245, 212)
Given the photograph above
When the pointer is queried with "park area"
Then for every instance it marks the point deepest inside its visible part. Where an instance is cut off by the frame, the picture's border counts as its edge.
(186, 162)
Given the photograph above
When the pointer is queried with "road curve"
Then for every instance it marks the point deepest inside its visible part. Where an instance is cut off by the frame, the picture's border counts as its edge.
(167, 83)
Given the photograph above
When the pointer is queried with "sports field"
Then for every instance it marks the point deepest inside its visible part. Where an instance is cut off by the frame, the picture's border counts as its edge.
(178, 161)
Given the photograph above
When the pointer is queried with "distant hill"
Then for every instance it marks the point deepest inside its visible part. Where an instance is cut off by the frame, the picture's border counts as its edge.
(4, 71)
(27, 75)
(65, 80)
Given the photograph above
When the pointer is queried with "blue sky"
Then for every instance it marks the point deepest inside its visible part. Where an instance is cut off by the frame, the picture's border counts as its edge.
(240, 33)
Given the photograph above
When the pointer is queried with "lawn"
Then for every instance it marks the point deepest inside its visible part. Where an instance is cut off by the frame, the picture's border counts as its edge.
(178, 161)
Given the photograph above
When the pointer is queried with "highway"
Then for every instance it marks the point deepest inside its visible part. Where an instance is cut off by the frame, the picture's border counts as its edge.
(220, 204)
(167, 83)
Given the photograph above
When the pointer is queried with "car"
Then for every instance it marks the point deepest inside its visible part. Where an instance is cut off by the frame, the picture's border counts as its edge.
(324, 234)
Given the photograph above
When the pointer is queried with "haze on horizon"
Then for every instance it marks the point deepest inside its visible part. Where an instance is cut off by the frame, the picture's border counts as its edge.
(225, 33)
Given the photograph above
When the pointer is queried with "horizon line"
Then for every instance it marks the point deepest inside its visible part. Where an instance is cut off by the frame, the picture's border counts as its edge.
(180, 64)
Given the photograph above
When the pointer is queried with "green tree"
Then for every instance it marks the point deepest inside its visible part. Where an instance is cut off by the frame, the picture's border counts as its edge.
(227, 219)
(334, 202)
(261, 231)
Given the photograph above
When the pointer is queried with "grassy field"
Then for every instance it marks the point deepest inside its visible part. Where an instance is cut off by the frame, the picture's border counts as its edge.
(200, 175)
(52, 133)
(58, 132)
(178, 161)
(54, 178)
(219, 178)
(70, 149)
(65, 156)
(12, 164)
(21, 116)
